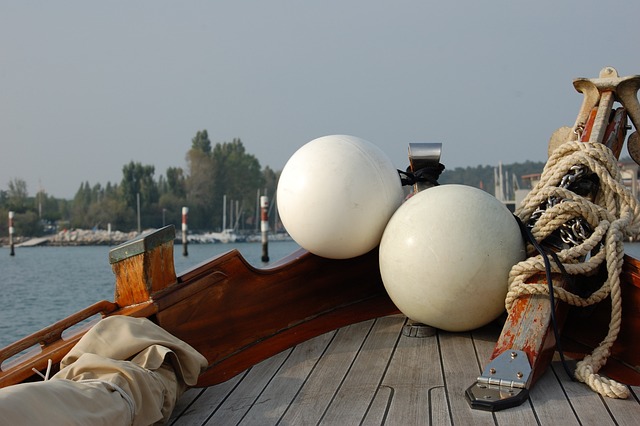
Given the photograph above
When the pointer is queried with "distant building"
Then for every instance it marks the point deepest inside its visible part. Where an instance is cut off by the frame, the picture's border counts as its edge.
(506, 187)
(528, 182)
(629, 170)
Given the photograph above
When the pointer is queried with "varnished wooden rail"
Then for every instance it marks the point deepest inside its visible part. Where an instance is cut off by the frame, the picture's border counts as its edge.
(46, 344)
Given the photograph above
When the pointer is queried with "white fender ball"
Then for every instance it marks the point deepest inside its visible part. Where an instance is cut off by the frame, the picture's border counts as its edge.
(446, 254)
(336, 194)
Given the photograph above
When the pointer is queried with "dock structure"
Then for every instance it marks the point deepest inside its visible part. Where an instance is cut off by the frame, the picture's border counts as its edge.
(33, 242)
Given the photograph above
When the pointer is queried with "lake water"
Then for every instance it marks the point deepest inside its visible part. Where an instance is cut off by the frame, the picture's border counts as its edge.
(41, 285)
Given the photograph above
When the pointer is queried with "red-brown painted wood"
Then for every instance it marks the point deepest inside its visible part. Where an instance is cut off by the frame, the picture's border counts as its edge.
(586, 327)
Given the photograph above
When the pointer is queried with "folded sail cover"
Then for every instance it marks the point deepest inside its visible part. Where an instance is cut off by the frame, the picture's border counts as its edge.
(123, 371)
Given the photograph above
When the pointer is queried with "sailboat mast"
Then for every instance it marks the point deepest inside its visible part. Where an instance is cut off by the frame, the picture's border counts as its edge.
(224, 212)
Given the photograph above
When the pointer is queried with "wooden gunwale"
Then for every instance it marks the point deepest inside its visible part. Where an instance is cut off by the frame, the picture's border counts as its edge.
(234, 313)
(225, 309)
(586, 327)
(580, 337)
(50, 343)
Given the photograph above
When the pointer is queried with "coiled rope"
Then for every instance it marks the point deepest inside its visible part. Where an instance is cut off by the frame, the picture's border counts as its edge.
(614, 215)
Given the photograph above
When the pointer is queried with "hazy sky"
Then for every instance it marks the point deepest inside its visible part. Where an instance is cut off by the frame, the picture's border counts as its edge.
(87, 86)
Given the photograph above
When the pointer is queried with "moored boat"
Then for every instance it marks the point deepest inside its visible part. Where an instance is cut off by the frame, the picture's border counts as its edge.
(318, 340)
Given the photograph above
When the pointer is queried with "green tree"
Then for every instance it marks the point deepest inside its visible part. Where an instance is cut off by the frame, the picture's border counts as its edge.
(49, 209)
(28, 224)
(237, 175)
(17, 196)
(200, 183)
(270, 179)
(80, 206)
(112, 211)
(138, 179)
(171, 209)
(173, 196)
(201, 142)
(176, 182)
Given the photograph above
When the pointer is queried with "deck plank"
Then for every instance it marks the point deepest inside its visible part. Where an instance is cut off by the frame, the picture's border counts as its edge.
(187, 398)
(439, 413)
(460, 368)
(626, 411)
(550, 403)
(243, 396)
(369, 373)
(324, 381)
(415, 377)
(588, 405)
(377, 412)
(283, 388)
(207, 403)
(354, 397)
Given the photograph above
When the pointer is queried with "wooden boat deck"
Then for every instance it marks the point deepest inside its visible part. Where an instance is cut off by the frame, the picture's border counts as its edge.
(370, 373)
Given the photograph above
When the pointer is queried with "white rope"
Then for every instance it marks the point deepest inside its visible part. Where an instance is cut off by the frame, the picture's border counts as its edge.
(45, 376)
(614, 215)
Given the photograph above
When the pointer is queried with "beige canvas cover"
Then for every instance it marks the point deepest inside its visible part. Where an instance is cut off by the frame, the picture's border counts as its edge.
(124, 371)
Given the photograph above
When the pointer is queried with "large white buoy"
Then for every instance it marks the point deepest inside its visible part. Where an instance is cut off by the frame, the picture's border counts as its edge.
(446, 254)
(336, 194)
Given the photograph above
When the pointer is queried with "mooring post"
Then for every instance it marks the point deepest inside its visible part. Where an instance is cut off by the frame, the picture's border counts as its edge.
(185, 250)
(264, 226)
(11, 231)
(138, 210)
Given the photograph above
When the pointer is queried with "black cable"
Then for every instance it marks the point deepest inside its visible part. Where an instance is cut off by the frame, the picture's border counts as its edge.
(528, 236)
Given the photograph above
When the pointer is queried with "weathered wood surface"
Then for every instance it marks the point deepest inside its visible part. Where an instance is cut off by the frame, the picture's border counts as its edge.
(369, 373)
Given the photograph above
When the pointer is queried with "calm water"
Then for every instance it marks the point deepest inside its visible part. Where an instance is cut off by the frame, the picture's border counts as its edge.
(41, 285)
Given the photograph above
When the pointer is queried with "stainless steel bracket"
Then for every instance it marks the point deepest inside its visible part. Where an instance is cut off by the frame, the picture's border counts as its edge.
(423, 155)
(503, 383)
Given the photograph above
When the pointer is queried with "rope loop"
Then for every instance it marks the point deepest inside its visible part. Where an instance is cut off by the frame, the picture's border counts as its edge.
(428, 174)
(613, 215)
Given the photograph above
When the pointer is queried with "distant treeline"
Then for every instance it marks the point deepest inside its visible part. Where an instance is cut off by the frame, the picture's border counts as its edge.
(211, 173)
(484, 176)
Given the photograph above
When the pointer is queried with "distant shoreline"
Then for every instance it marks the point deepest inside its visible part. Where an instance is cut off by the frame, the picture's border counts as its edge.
(75, 237)
(83, 237)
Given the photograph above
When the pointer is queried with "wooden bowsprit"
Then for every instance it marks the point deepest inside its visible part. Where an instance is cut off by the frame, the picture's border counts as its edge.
(527, 342)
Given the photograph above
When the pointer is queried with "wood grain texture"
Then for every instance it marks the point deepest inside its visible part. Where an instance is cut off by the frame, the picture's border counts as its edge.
(369, 373)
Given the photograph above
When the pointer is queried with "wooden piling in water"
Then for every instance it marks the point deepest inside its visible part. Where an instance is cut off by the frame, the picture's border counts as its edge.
(11, 231)
(264, 226)
(185, 250)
